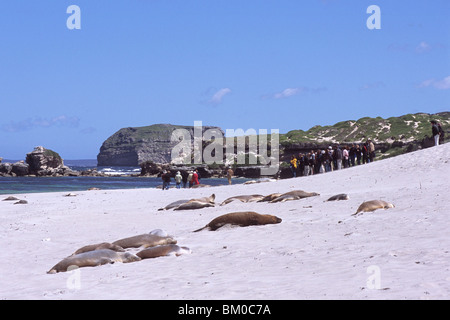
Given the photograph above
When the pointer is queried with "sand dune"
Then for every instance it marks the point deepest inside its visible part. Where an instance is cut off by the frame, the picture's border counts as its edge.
(318, 251)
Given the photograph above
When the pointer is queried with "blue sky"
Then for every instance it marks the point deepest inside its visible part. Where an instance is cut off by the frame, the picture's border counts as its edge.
(261, 64)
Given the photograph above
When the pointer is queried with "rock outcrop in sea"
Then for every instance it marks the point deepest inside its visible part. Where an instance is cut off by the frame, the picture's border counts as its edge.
(42, 162)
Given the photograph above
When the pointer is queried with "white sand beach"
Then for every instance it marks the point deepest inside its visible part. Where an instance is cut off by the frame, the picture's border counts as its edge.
(318, 251)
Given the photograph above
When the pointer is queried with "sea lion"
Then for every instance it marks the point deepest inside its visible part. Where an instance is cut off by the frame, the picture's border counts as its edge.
(270, 197)
(191, 205)
(10, 198)
(174, 204)
(93, 259)
(21, 202)
(372, 205)
(70, 195)
(341, 196)
(245, 198)
(144, 240)
(161, 251)
(99, 246)
(199, 203)
(242, 219)
(294, 195)
(209, 199)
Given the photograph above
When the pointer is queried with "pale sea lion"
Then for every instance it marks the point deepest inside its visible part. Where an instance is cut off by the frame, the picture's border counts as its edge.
(161, 251)
(197, 203)
(100, 246)
(341, 196)
(93, 259)
(174, 204)
(209, 199)
(144, 240)
(294, 195)
(191, 205)
(242, 219)
(270, 197)
(372, 205)
(245, 198)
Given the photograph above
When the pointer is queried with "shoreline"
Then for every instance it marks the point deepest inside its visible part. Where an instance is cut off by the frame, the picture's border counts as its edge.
(318, 251)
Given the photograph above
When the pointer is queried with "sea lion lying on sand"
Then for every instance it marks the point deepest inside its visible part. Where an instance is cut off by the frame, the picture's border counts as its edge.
(199, 203)
(294, 195)
(373, 205)
(242, 219)
(191, 205)
(174, 204)
(341, 196)
(270, 197)
(10, 198)
(161, 251)
(99, 246)
(144, 240)
(245, 198)
(93, 259)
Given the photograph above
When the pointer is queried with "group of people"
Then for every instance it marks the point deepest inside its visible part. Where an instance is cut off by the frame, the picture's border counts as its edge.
(333, 158)
(193, 177)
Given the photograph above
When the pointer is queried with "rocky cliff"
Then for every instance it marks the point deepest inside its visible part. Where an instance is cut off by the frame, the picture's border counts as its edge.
(133, 146)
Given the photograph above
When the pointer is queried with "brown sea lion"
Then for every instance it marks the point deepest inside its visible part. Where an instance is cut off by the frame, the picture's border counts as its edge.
(21, 202)
(242, 219)
(99, 246)
(10, 198)
(372, 205)
(270, 197)
(161, 251)
(341, 196)
(294, 195)
(245, 198)
(93, 259)
(144, 240)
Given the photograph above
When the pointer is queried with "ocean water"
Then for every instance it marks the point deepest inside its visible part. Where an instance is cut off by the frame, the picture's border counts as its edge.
(16, 185)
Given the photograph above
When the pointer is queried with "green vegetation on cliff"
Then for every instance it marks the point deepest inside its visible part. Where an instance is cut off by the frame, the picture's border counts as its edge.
(406, 128)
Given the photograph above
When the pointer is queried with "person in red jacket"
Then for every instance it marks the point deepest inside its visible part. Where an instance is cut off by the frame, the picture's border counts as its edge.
(195, 178)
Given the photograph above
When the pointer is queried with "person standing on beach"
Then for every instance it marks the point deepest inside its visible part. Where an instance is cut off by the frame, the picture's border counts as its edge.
(352, 155)
(178, 179)
(358, 154)
(293, 166)
(441, 133)
(229, 175)
(166, 180)
(338, 156)
(190, 178)
(345, 156)
(195, 178)
(365, 153)
(371, 150)
(435, 132)
(184, 178)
